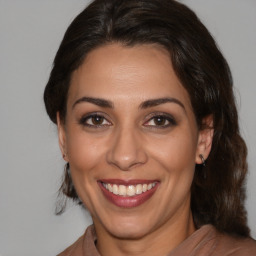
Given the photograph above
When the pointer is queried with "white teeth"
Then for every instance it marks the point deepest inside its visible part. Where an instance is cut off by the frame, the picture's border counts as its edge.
(130, 190)
(115, 189)
(109, 187)
(150, 186)
(144, 187)
(122, 190)
(138, 189)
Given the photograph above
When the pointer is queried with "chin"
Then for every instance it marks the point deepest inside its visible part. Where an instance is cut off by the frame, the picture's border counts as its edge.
(128, 233)
(129, 229)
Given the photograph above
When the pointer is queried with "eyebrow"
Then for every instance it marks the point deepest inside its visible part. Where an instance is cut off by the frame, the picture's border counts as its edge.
(96, 101)
(156, 102)
(146, 104)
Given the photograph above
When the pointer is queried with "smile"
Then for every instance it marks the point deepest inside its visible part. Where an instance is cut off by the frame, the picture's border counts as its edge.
(129, 190)
(128, 194)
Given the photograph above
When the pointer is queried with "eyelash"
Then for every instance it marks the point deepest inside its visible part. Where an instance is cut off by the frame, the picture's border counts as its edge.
(88, 121)
(165, 118)
(84, 120)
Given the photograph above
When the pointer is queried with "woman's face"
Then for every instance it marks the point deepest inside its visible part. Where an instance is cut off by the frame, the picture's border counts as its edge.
(131, 139)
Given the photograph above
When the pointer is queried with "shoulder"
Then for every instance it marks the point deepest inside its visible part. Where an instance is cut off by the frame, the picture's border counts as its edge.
(73, 249)
(83, 246)
(209, 241)
(235, 246)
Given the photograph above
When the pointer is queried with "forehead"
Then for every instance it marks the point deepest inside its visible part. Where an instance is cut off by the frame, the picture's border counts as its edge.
(117, 72)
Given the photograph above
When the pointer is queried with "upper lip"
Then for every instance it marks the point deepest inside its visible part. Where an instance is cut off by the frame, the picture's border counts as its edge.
(127, 182)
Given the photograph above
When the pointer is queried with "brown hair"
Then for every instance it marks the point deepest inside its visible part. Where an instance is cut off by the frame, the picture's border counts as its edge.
(218, 188)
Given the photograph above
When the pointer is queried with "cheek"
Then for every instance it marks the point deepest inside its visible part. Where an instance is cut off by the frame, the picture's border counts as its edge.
(86, 156)
(85, 152)
(178, 159)
(175, 152)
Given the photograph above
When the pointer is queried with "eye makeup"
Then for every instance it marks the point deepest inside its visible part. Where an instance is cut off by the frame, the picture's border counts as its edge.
(155, 120)
(94, 120)
(160, 120)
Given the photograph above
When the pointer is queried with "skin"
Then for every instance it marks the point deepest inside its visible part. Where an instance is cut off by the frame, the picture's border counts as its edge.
(128, 143)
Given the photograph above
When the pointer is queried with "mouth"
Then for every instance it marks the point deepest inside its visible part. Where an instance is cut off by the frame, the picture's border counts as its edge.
(128, 194)
(130, 190)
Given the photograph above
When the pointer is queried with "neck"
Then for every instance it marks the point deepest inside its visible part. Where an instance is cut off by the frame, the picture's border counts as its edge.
(158, 242)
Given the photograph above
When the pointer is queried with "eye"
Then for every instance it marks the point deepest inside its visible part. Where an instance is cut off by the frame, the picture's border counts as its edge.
(94, 120)
(160, 121)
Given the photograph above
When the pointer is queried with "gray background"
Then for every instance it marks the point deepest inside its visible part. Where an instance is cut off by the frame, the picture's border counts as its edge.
(30, 160)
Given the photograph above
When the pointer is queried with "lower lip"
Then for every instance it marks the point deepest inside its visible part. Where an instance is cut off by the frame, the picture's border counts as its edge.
(128, 201)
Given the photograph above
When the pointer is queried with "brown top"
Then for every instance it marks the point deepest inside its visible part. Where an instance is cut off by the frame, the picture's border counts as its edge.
(206, 241)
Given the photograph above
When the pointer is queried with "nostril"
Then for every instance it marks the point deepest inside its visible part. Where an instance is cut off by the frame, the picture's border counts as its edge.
(125, 151)
(124, 161)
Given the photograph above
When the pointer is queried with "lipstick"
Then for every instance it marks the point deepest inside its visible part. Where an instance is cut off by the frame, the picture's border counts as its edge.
(128, 194)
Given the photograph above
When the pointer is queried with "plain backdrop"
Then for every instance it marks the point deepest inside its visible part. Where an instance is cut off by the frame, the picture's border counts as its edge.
(30, 161)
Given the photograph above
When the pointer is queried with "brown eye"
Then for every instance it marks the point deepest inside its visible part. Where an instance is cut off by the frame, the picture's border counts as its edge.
(94, 120)
(97, 120)
(160, 121)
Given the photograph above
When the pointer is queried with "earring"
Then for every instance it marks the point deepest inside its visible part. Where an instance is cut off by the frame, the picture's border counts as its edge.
(202, 159)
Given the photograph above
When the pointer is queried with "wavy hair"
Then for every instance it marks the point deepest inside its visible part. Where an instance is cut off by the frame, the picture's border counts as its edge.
(217, 193)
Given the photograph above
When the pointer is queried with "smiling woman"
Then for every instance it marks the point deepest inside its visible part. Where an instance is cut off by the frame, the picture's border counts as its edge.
(139, 93)
(112, 143)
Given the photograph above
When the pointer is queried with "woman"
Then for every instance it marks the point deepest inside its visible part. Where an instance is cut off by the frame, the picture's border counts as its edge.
(148, 126)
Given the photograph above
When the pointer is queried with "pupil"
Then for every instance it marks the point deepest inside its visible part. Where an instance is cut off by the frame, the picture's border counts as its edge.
(97, 120)
(159, 120)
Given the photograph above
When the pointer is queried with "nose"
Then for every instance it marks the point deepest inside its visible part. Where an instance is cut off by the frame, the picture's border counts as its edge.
(126, 150)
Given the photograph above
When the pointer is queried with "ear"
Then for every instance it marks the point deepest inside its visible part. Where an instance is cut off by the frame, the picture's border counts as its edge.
(62, 138)
(205, 138)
